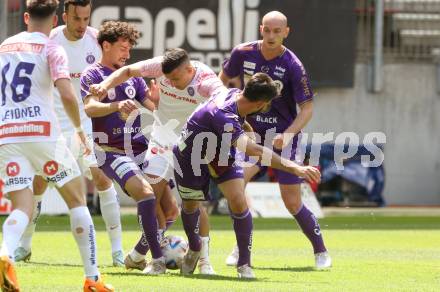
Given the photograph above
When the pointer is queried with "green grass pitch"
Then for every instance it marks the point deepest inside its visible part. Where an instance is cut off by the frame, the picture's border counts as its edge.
(370, 253)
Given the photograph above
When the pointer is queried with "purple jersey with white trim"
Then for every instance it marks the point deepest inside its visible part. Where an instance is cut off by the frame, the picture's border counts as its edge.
(218, 116)
(115, 125)
(288, 73)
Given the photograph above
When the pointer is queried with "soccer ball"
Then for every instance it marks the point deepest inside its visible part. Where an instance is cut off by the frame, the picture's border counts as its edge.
(174, 249)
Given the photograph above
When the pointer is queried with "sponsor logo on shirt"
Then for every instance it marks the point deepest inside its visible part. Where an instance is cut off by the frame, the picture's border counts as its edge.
(111, 94)
(279, 68)
(267, 120)
(21, 47)
(249, 65)
(305, 86)
(12, 169)
(279, 74)
(248, 72)
(50, 167)
(25, 129)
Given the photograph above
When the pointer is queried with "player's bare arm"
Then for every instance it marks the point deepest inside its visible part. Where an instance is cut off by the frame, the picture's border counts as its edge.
(119, 76)
(70, 104)
(229, 81)
(94, 108)
(304, 116)
(248, 146)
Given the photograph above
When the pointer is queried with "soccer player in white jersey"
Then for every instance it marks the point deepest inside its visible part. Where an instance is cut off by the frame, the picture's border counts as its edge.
(31, 142)
(183, 85)
(82, 48)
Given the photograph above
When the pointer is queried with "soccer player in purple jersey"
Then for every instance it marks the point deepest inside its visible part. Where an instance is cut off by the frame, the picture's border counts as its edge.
(207, 149)
(119, 148)
(281, 125)
(183, 85)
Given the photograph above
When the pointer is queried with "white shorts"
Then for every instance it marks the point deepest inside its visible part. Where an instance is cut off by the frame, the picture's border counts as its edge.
(159, 161)
(84, 161)
(20, 162)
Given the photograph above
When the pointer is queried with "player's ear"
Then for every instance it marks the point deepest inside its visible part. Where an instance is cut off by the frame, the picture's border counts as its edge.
(26, 18)
(261, 29)
(286, 33)
(105, 46)
(55, 20)
(64, 17)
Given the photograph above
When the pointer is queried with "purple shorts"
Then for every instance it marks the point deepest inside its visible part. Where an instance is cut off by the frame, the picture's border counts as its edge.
(120, 167)
(195, 186)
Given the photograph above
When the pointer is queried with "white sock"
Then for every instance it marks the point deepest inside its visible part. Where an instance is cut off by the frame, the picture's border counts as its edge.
(13, 229)
(26, 239)
(84, 233)
(112, 216)
(204, 252)
(135, 256)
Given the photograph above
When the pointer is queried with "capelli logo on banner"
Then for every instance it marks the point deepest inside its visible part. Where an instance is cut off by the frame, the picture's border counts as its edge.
(208, 33)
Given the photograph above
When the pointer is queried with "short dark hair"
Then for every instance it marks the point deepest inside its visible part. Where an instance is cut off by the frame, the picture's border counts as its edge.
(41, 9)
(82, 3)
(260, 88)
(111, 31)
(173, 58)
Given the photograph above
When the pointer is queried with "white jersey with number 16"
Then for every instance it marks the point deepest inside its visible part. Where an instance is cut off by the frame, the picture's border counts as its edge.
(30, 63)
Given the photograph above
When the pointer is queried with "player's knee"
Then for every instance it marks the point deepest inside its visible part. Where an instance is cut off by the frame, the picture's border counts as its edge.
(39, 186)
(190, 206)
(237, 203)
(293, 206)
(102, 182)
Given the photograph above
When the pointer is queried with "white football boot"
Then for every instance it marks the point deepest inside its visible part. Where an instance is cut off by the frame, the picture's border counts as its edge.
(245, 272)
(155, 267)
(232, 258)
(322, 261)
(189, 263)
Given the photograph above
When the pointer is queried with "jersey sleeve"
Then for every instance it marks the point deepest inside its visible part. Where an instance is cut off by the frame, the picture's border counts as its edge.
(58, 62)
(151, 68)
(210, 83)
(227, 122)
(300, 83)
(88, 77)
(232, 65)
(141, 90)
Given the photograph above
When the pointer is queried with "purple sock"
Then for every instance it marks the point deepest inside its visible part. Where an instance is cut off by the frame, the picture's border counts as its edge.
(310, 226)
(243, 232)
(142, 246)
(147, 220)
(191, 226)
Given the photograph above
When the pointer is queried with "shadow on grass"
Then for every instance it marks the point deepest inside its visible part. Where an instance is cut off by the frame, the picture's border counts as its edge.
(50, 264)
(287, 269)
(195, 277)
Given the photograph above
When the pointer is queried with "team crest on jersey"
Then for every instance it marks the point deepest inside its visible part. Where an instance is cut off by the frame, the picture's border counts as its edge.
(190, 91)
(90, 58)
(111, 94)
(265, 69)
(130, 91)
(12, 169)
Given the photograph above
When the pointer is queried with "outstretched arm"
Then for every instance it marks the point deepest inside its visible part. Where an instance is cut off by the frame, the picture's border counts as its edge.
(247, 145)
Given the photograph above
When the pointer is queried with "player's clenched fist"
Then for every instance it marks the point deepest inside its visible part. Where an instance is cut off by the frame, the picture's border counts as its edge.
(309, 173)
(98, 90)
(126, 106)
